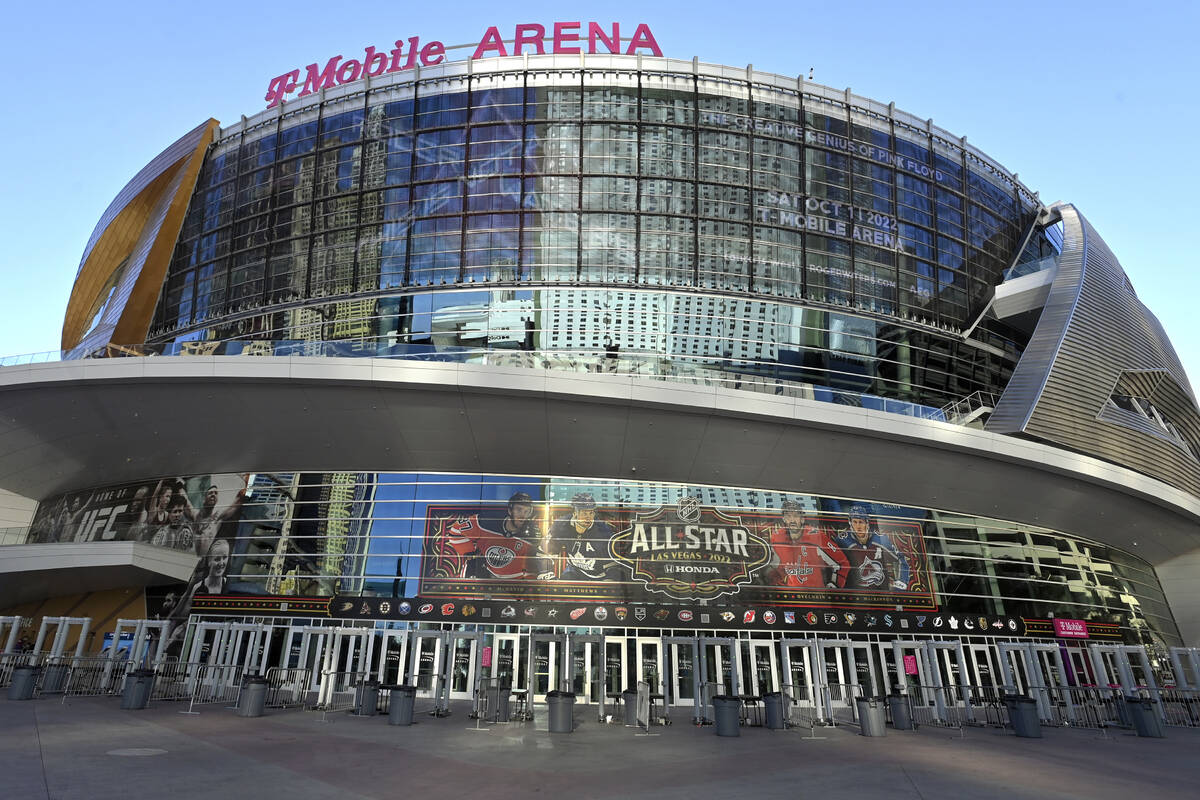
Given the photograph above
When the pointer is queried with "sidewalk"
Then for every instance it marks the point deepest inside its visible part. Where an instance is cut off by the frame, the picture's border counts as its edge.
(51, 750)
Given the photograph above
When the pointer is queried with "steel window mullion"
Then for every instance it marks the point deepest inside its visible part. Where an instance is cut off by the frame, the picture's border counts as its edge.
(750, 182)
(464, 186)
(414, 119)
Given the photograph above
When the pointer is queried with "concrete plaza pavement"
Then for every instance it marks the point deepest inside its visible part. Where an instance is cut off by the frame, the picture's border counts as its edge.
(89, 749)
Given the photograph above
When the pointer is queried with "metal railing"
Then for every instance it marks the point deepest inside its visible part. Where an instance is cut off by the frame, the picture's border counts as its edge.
(800, 709)
(839, 703)
(924, 707)
(10, 661)
(289, 686)
(338, 692)
(94, 676)
(1178, 708)
(742, 374)
(708, 691)
(173, 680)
(215, 683)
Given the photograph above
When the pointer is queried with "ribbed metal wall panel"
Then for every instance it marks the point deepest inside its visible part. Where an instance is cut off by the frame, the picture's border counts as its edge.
(129, 229)
(1092, 329)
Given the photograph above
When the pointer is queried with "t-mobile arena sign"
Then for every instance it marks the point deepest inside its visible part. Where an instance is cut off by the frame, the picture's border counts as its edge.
(562, 38)
(1070, 628)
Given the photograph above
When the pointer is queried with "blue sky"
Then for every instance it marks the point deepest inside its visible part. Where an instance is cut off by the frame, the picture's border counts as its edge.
(1089, 102)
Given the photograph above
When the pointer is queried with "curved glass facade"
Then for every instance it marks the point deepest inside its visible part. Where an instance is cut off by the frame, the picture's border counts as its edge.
(452, 536)
(685, 216)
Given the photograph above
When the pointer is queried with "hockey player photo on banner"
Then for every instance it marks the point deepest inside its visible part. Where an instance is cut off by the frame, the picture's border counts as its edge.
(683, 552)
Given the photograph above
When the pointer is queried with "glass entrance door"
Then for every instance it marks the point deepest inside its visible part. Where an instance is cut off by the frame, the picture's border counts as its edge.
(799, 678)
(615, 679)
(1079, 667)
(649, 662)
(584, 665)
(683, 672)
(462, 672)
(981, 660)
(426, 662)
(761, 670)
(546, 653)
(718, 668)
(1016, 663)
(507, 661)
(394, 658)
(867, 670)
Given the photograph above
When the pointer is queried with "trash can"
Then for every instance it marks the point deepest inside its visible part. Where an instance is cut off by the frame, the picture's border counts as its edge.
(1144, 716)
(773, 703)
(253, 697)
(498, 700)
(54, 678)
(629, 696)
(872, 719)
(1023, 715)
(400, 708)
(24, 681)
(562, 706)
(136, 693)
(366, 698)
(901, 713)
(727, 714)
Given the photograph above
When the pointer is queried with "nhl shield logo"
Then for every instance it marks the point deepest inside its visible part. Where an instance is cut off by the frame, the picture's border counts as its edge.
(688, 509)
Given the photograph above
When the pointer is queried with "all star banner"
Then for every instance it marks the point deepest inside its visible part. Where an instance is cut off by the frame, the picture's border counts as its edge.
(685, 552)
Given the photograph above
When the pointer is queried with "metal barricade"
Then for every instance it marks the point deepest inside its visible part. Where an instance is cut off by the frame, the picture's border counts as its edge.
(1096, 707)
(289, 686)
(921, 705)
(173, 680)
(1178, 708)
(1059, 711)
(213, 683)
(337, 692)
(10, 661)
(800, 708)
(840, 701)
(989, 708)
(94, 677)
(708, 691)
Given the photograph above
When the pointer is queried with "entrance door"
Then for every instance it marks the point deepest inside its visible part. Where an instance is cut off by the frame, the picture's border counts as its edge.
(1185, 667)
(649, 662)
(545, 654)
(615, 678)
(393, 658)
(840, 691)
(584, 662)
(464, 654)
(981, 660)
(1078, 665)
(798, 668)
(425, 662)
(868, 673)
(719, 668)
(761, 672)
(507, 662)
(683, 671)
(1014, 657)
(912, 669)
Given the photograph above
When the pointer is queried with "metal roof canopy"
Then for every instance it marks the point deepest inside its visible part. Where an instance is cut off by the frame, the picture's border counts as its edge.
(79, 424)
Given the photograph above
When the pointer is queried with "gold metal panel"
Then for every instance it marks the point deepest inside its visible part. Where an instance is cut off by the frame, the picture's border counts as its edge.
(163, 201)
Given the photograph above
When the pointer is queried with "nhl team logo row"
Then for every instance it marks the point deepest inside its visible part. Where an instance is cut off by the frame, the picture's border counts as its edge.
(665, 616)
